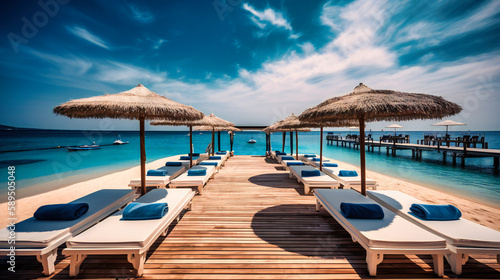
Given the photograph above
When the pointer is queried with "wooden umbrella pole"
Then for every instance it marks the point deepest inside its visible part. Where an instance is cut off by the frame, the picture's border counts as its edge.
(362, 154)
(143, 156)
(291, 143)
(321, 149)
(284, 139)
(297, 144)
(191, 146)
(218, 139)
(213, 141)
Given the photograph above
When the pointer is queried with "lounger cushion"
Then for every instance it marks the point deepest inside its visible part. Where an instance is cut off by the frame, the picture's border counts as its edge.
(361, 210)
(392, 231)
(197, 172)
(310, 155)
(186, 157)
(154, 172)
(457, 233)
(172, 171)
(287, 158)
(214, 163)
(215, 157)
(435, 212)
(173, 163)
(68, 211)
(288, 163)
(330, 164)
(113, 232)
(185, 180)
(348, 173)
(221, 153)
(310, 173)
(33, 233)
(278, 153)
(145, 211)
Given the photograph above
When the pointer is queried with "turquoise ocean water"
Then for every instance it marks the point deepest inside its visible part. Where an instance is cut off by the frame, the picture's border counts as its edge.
(42, 170)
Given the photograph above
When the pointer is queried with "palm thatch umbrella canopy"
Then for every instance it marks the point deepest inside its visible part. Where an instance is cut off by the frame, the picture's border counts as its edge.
(211, 121)
(138, 103)
(366, 104)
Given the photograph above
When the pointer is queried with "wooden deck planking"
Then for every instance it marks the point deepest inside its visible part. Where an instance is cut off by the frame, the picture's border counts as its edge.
(253, 222)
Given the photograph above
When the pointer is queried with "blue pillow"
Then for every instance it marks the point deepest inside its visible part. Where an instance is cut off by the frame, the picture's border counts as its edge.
(69, 211)
(348, 173)
(361, 210)
(315, 159)
(221, 153)
(173, 163)
(330, 165)
(280, 153)
(185, 158)
(197, 172)
(154, 172)
(144, 211)
(310, 173)
(215, 157)
(294, 163)
(287, 158)
(310, 155)
(435, 212)
(214, 163)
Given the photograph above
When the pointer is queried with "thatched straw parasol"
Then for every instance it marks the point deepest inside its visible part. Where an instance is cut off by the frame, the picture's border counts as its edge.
(448, 123)
(366, 104)
(211, 121)
(395, 126)
(138, 103)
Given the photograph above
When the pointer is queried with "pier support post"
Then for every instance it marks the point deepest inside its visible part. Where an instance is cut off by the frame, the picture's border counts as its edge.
(454, 158)
(496, 162)
(413, 153)
(444, 157)
(387, 150)
(463, 161)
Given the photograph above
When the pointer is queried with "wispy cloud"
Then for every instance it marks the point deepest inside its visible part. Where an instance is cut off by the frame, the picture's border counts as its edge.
(141, 14)
(269, 18)
(87, 35)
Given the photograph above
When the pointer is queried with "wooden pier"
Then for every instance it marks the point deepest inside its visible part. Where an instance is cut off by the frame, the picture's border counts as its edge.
(253, 222)
(455, 152)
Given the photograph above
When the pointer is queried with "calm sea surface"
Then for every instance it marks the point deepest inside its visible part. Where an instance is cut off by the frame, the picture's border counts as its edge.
(41, 170)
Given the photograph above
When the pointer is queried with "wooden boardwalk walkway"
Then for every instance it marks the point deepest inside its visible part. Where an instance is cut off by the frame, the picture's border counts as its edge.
(253, 222)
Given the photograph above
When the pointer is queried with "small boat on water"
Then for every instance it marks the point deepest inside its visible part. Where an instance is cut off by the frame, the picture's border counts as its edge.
(252, 141)
(119, 141)
(83, 148)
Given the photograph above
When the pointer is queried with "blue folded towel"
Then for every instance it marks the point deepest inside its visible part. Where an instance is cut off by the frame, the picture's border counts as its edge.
(330, 165)
(195, 154)
(315, 159)
(348, 173)
(361, 210)
(173, 163)
(310, 155)
(69, 211)
(435, 212)
(214, 163)
(310, 173)
(197, 172)
(280, 153)
(144, 211)
(287, 158)
(154, 172)
(185, 158)
(221, 152)
(215, 157)
(294, 163)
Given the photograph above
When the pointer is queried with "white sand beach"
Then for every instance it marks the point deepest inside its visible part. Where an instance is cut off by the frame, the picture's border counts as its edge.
(25, 207)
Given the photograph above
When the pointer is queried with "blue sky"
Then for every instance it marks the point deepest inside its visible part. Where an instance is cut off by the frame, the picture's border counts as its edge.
(250, 62)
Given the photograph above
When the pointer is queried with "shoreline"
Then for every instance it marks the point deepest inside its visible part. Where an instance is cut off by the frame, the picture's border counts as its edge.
(25, 207)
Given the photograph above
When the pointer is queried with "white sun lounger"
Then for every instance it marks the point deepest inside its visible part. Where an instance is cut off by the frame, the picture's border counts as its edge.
(41, 238)
(193, 181)
(348, 182)
(218, 161)
(185, 162)
(390, 235)
(159, 181)
(322, 181)
(463, 237)
(287, 167)
(114, 236)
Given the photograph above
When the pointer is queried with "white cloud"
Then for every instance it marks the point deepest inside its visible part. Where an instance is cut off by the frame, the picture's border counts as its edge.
(263, 19)
(86, 35)
(140, 14)
(115, 72)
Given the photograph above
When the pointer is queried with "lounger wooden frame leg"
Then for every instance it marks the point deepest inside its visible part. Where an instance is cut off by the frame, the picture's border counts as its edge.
(318, 205)
(48, 261)
(137, 260)
(438, 264)
(372, 260)
(307, 189)
(456, 261)
(74, 266)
